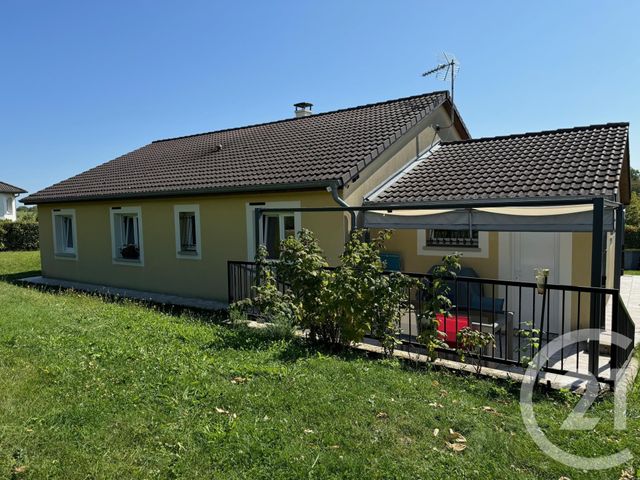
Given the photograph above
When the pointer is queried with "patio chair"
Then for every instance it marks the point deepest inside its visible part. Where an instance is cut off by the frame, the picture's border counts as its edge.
(470, 301)
(468, 295)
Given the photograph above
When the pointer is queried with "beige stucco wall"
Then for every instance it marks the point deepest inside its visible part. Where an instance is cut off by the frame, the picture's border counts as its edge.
(405, 242)
(223, 234)
(405, 150)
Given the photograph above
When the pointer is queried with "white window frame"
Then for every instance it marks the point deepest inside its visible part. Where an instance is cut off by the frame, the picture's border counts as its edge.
(250, 210)
(177, 210)
(11, 205)
(482, 251)
(115, 256)
(64, 254)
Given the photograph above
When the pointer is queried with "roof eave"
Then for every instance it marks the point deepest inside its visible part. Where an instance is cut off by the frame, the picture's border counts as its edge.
(312, 185)
(356, 170)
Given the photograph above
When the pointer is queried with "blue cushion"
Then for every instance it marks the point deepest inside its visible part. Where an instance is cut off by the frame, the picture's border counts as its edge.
(474, 294)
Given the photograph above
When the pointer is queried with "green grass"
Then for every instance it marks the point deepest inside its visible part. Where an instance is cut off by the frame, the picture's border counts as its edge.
(632, 272)
(96, 389)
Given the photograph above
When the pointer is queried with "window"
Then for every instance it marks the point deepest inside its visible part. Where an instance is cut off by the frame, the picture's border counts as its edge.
(452, 238)
(275, 228)
(126, 235)
(187, 227)
(64, 233)
(10, 206)
(439, 242)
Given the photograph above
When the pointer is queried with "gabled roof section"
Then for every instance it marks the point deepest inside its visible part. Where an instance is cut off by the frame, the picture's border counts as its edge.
(6, 188)
(293, 153)
(574, 162)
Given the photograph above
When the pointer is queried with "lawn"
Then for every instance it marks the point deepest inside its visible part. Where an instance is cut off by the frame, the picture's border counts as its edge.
(97, 389)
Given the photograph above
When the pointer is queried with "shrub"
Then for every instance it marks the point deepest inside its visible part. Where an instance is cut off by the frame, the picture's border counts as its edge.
(366, 299)
(303, 267)
(631, 236)
(437, 302)
(19, 236)
(338, 306)
(471, 342)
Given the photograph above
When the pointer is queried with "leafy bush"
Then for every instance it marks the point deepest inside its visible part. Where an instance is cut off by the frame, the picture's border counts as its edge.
(471, 342)
(336, 306)
(303, 267)
(437, 302)
(26, 214)
(366, 299)
(19, 236)
(631, 236)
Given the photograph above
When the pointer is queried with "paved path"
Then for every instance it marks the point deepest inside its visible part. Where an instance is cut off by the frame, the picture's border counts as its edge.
(630, 294)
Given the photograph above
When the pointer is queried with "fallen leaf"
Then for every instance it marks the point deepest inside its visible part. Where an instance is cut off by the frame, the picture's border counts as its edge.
(456, 447)
(308, 431)
(564, 478)
(222, 411)
(436, 405)
(456, 437)
(382, 415)
(19, 470)
(334, 446)
(627, 474)
(239, 380)
(489, 409)
(436, 431)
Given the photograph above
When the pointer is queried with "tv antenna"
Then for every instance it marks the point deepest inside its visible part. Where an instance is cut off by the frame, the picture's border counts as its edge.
(447, 69)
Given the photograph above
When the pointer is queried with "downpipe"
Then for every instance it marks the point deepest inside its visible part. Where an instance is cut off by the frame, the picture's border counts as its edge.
(333, 189)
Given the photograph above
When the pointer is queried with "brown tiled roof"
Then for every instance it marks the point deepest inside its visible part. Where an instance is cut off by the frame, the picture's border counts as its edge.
(325, 147)
(575, 162)
(6, 188)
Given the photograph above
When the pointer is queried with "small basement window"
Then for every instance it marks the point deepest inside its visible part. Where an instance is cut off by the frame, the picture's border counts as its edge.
(126, 232)
(452, 238)
(187, 226)
(64, 233)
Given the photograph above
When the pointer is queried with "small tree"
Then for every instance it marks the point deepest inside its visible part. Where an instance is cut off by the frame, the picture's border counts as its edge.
(436, 302)
(470, 344)
(271, 303)
(303, 268)
(632, 212)
(367, 299)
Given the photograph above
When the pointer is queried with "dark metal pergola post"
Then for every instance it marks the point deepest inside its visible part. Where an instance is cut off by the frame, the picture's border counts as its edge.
(597, 246)
(619, 246)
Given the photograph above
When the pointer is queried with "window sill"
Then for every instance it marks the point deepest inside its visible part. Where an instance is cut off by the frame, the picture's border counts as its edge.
(128, 262)
(66, 256)
(452, 248)
(188, 255)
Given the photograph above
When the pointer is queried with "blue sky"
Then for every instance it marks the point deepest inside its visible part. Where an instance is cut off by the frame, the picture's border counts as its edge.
(84, 82)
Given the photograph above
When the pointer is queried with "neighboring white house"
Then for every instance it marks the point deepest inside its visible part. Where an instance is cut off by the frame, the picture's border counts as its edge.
(8, 195)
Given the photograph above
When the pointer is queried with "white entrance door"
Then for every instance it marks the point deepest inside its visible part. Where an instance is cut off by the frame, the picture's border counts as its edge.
(532, 250)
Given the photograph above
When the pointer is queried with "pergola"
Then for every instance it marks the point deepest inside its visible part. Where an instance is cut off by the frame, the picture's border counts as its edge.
(595, 214)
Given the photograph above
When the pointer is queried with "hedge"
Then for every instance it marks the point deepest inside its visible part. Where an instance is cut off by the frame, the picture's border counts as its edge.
(19, 236)
(631, 236)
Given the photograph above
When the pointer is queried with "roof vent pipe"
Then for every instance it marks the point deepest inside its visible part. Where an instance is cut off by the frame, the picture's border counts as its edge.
(303, 109)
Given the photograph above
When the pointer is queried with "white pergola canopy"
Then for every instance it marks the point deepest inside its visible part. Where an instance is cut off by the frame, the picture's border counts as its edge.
(560, 218)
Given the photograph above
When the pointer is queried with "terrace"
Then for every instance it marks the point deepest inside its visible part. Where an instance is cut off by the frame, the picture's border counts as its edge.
(523, 317)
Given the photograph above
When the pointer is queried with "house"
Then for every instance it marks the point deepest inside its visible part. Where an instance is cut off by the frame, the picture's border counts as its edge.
(167, 217)
(8, 195)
